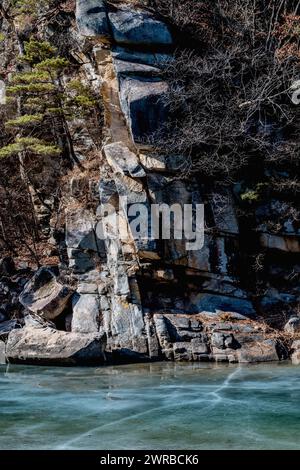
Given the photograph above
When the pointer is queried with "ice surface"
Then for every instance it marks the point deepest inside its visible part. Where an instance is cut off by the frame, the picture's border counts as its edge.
(150, 406)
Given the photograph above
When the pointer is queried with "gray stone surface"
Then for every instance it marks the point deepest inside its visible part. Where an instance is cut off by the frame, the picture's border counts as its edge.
(127, 329)
(217, 340)
(131, 25)
(289, 244)
(85, 250)
(144, 322)
(80, 230)
(295, 349)
(86, 313)
(141, 101)
(263, 350)
(108, 192)
(122, 160)
(48, 346)
(199, 348)
(186, 338)
(2, 352)
(81, 262)
(91, 18)
(87, 288)
(295, 357)
(120, 281)
(131, 68)
(182, 351)
(45, 295)
(153, 59)
(214, 303)
(292, 326)
(162, 332)
(224, 211)
(153, 343)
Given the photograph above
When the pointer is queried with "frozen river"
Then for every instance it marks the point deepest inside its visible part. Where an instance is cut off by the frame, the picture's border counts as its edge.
(150, 406)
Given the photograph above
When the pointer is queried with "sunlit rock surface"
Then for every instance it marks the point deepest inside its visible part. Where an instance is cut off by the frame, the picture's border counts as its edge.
(154, 299)
(49, 346)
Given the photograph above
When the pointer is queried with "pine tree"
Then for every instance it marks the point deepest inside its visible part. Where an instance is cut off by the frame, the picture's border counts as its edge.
(44, 102)
(44, 105)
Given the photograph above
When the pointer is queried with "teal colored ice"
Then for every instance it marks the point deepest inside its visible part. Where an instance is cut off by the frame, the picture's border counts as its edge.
(150, 406)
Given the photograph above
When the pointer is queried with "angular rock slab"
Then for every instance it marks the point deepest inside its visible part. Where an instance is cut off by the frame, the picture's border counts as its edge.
(138, 27)
(130, 68)
(48, 346)
(214, 303)
(122, 160)
(141, 102)
(80, 230)
(45, 295)
(144, 58)
(108, 192)
(91, 17)
(128, 335)
(260, 351)
(86, 314)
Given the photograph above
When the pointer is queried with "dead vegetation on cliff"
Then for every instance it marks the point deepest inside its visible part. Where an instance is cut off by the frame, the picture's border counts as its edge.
(50, 112)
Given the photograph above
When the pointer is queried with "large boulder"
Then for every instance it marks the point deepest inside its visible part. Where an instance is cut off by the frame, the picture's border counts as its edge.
(49, 346)
(91, 18)
(262, 350)
(45, 295)
(128, 338)
(142, 104)
(134, 26)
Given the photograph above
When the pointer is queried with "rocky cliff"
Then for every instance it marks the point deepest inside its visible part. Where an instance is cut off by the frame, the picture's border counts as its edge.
(127, 299)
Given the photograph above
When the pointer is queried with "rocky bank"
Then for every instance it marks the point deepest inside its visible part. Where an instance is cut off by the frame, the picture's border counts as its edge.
(119, 300)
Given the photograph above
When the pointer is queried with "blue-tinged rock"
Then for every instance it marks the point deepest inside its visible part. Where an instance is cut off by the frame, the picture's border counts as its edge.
(138, 27)
(132, 68)
(142, 105)
(91, 17)
(154, 59)
(214, 303)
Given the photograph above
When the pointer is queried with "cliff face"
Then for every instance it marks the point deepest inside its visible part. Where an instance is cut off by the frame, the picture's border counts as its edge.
(143, 299)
